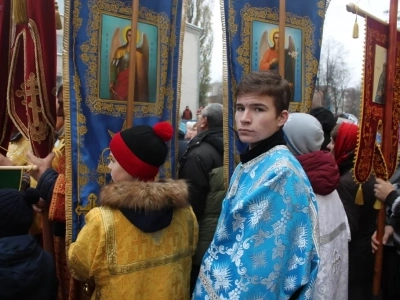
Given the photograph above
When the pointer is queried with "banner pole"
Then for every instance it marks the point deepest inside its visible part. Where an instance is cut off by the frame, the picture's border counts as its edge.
(24, 168)
(132, 63)
(351, 7)
(386, 134)
(282, 21)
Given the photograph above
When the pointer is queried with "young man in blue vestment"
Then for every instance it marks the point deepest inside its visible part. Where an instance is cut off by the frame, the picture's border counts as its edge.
(265, 244)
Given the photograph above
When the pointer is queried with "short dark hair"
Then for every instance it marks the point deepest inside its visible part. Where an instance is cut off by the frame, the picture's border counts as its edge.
(266, 83)
(335, 131)
(60, 90)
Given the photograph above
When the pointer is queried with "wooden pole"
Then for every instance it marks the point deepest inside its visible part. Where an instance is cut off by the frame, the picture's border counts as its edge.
(282, 21)
(47, 233)
(387, 133)
(351, 7)
(24, 168)
(132, 63)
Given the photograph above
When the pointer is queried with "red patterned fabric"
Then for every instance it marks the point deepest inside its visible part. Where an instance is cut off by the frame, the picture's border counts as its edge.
(368, 155)
(57, 204)
(5, 122)
(32, 77)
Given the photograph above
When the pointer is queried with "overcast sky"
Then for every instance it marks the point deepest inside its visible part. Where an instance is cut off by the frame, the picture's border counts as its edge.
(338, 26)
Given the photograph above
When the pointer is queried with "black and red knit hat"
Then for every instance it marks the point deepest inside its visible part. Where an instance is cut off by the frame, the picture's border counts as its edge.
(141, 150)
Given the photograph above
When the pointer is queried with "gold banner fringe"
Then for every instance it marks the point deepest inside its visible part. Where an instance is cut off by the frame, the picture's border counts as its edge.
(20, 12)
(58, 18)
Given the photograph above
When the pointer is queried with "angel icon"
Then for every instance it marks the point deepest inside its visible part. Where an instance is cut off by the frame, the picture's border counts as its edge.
(119, 68)
(270, 55)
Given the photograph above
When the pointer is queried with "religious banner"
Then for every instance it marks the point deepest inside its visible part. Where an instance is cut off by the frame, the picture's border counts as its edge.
(96, 79)
(5, 46)
(369, 155)
(252, 40)
(32, 76)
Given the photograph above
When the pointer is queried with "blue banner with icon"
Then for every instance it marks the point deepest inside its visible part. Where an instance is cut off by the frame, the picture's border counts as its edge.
(252, 40)
(97, 35)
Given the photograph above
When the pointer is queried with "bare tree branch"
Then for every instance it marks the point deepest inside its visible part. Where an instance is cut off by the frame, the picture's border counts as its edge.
(201, 14)
(333, 76)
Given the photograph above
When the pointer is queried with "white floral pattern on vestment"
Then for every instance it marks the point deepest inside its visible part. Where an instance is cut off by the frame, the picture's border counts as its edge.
(265, 245)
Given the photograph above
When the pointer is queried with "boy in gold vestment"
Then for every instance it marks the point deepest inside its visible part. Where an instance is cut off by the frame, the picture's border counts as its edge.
(139, 243)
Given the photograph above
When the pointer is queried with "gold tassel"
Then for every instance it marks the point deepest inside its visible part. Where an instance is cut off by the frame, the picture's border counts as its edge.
(355, 28)
(58, 18)
(359, 196)
(20, 12)
(377, 205)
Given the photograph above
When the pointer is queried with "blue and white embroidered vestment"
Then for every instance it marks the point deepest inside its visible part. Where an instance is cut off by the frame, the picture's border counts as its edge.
(265, 244)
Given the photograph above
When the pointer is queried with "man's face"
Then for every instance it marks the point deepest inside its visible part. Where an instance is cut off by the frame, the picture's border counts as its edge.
(117, 172)
(128, 36)
(276, 39)
(256, 118)
(201, 123)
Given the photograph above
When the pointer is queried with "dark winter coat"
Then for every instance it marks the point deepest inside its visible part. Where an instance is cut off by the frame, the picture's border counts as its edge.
(362, 221)
(45, 187)
(209, 221)
(204, 153)
(362, 218)
(202, 167)
(393, 216)
(26, 271)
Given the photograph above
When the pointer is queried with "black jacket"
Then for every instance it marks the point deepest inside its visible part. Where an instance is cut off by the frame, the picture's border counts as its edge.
(26, 271)
(45, 187)
(362, 221)
(393, 217)
(204, 153)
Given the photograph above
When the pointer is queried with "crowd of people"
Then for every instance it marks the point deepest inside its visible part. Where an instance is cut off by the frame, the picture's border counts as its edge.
(287, 226)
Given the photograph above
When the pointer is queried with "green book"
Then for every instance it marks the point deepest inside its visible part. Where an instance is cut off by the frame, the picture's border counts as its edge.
(10, 179)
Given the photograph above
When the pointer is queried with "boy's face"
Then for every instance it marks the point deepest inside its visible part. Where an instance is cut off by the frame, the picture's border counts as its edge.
(256, 118)
(117, 172)
(331, 147)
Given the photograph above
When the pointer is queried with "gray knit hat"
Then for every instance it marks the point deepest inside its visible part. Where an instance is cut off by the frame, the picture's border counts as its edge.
(303, 133)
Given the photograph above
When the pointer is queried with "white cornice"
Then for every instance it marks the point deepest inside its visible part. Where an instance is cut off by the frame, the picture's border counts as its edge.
(193, 29)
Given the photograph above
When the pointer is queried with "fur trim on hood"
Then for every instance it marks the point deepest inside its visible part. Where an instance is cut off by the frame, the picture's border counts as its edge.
(147, 196)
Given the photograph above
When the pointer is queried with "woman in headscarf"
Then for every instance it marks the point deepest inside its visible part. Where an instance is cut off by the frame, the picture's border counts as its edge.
(362, 218)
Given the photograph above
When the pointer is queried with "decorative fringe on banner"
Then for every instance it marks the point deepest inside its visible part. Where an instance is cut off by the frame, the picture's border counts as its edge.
(377, 205)
(20, 12)
(58, 18)
(359, 196)
(355, 27)
(355, 30)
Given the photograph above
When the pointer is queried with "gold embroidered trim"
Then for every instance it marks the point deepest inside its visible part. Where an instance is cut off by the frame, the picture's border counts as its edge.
(111, 253)
(208, 286)
(41, 79)
(67, 121)
(77, 265)
(11, 100)
(225, 96)
(179, 79)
